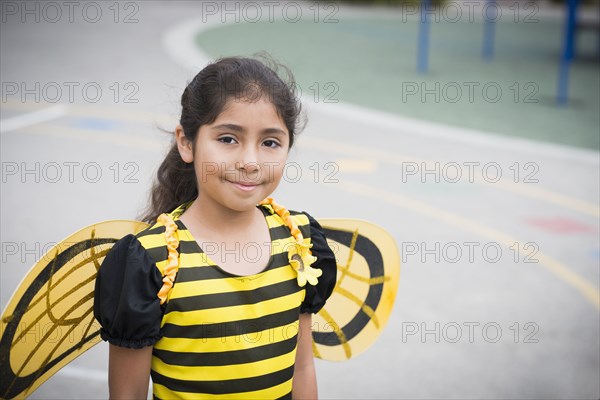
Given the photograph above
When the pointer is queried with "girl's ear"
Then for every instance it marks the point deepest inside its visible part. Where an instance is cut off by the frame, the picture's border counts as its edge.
(186, 150)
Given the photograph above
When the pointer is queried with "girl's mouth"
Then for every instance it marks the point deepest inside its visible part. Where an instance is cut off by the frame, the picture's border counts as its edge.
(246, 187)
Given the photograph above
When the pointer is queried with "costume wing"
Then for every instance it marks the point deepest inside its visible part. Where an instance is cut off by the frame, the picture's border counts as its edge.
(367, 281)
(49, 320)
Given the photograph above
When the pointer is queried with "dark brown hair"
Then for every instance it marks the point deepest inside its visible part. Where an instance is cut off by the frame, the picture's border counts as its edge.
(204, 98)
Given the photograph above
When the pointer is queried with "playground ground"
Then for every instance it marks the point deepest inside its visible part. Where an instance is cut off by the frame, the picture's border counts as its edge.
(493, 204)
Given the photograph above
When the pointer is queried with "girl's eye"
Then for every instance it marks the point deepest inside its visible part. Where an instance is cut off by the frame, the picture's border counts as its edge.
(271, 143)
(226, 139)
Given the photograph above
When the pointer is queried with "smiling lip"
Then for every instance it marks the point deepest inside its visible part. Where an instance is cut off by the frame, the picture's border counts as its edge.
(247, 187)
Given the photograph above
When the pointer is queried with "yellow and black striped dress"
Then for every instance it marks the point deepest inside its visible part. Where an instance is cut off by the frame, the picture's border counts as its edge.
(219, 335)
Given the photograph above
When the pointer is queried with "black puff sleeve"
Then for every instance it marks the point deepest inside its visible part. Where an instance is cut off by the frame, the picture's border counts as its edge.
(125, 300)
(316, 296)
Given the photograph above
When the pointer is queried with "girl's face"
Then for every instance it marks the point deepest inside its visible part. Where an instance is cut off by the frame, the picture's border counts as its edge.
(240, 157)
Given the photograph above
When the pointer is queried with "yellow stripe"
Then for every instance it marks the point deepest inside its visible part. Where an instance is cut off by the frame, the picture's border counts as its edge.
(365, 308)
(282, 245)
(193, 288)
(269, 393)
(225, 372)
(153, 241)
(338, 332)
(161, 266)
(230, 343)
(190, 260)
(234, 313)
(275, 220)
(197, 259)
(301, 219)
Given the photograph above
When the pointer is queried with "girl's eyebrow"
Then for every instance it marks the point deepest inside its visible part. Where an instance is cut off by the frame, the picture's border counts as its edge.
(238, 128)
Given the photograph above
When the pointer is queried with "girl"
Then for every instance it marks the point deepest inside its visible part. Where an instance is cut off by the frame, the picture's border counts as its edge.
(215, 298)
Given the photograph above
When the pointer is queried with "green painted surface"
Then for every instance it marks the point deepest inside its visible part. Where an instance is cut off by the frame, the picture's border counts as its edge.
(372, 63)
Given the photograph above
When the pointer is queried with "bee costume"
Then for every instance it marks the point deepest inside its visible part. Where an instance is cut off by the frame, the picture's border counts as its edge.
(214, 334)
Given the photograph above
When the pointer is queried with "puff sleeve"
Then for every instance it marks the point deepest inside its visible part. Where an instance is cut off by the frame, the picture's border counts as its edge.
(316, 296)
(125, 298)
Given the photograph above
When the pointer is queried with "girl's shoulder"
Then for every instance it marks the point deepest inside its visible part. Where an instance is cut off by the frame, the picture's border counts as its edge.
(293, 219)
(152, 236)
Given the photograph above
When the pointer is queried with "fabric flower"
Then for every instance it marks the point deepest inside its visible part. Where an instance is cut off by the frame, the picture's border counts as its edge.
(299, 254)
(301, 259)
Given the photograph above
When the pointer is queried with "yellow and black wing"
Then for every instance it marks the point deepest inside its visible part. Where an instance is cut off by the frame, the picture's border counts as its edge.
(49, 320)
(367, 281)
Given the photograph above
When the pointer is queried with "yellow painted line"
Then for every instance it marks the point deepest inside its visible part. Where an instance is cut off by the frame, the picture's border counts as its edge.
(394, 158)
(549, 196)
(586, 288)
(356, 165)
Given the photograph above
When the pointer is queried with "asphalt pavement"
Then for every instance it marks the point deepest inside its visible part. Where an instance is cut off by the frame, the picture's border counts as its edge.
(498, 294)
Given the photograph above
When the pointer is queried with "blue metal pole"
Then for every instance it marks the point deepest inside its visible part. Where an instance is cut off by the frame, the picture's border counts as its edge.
(423, 45)
(489, 30)
(568, 52)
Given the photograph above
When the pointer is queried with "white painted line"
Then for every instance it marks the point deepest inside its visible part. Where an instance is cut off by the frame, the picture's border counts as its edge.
(88, 374)
(33, 118)
(179, 43)
(439, 131)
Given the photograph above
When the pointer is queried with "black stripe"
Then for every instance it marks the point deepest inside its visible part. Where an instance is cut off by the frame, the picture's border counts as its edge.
(232, 328)
(228, 299)
(189, 274)
(158, 254)
(228, 357)
(282, 231)
(160, 229)
(366, 248)
(279, 232)
(189, 247)
(305, 229)
(225, 386)
(287, 396)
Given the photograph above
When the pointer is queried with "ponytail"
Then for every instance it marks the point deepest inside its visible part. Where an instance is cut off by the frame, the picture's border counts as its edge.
(175, 184)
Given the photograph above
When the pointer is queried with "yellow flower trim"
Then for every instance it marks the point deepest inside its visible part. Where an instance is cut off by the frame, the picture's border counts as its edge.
(170, 270)
(287, 218)
(300, 258)
(299, 254)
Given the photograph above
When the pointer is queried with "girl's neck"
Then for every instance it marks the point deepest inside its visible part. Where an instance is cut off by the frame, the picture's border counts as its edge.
(213, 218)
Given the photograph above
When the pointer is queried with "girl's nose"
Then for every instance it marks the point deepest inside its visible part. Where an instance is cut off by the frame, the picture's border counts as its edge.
(248, 160)
(249, 166)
